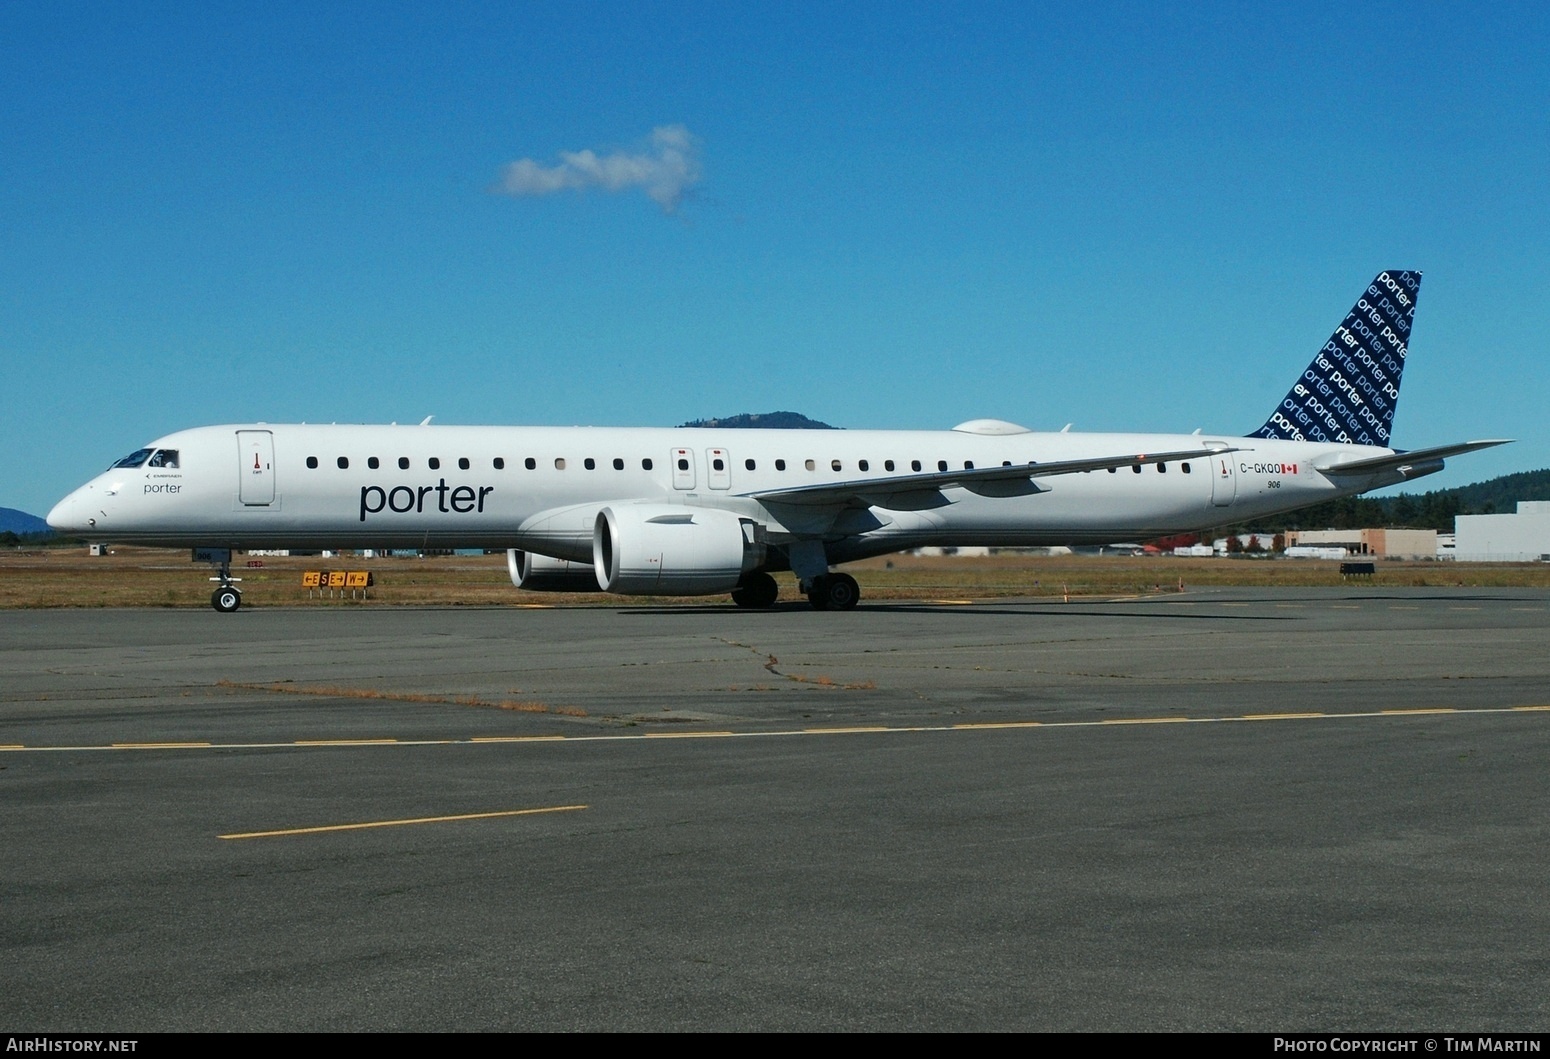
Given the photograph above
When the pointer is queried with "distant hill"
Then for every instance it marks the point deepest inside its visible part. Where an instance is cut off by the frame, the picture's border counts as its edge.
(21, 523)
(1501, 495)
(764, 421)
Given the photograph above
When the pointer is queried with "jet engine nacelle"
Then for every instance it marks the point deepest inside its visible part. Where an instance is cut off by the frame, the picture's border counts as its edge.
(540, 573)
(660, 549)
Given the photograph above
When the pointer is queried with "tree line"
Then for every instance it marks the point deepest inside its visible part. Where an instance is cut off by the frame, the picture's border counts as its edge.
(1435, 510)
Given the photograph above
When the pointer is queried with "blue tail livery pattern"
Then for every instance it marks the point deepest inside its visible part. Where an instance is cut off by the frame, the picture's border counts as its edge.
(1349, 392)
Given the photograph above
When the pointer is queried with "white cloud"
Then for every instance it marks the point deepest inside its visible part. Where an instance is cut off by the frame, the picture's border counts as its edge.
(666, 170)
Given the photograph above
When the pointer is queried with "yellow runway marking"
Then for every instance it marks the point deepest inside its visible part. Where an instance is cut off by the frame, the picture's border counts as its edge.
(619, 737)
(157, 746)
(951, 602)
(400, 823)
(687, 735)
(344, 742)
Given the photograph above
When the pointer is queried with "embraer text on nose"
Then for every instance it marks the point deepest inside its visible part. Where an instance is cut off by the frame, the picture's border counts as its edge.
(403, 499)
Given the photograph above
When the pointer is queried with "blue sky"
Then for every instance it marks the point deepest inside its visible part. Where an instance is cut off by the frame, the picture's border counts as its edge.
(1124, 216)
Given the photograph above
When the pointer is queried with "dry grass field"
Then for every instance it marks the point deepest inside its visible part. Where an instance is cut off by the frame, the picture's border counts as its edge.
(152, 577)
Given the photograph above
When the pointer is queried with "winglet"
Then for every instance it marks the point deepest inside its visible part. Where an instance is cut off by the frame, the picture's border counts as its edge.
(1349, 392)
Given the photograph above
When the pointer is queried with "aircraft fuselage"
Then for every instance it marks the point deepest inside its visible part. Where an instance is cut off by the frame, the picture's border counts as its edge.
(331, 486)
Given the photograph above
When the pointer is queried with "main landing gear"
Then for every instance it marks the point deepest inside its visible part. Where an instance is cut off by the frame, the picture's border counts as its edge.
(758, 590)
(833, 592)
(825, 591)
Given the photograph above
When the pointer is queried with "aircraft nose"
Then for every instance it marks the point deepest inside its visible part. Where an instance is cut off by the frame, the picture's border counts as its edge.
(70, 515)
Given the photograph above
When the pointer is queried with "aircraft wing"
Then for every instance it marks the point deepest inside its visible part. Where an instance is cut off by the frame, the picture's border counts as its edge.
(1401, 461)
(1016, 480)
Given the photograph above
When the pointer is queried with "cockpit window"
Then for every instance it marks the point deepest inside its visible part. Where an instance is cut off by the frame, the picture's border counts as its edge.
(164, 458)
(134, 459)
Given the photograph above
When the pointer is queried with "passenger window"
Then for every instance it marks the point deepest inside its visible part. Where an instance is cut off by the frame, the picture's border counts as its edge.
(941, 465)
(403, 463)
(748, 464)
(683, 464)
(719, 464)
(343, 462)
(434, 463)
(500, 463)
(780, 465)
(559, 463)
(589, 463)
(373, 462)
(887, 465)
(864, 465)
(530, 463)
(1136, 467)
(1184, 467)
(810, 465)
(1162, 468)
(618, 464)
(835, 464)
(134, 459)
(968, 465)
(462, 463)
(312, 463)
(645, 464)
(1113, 470)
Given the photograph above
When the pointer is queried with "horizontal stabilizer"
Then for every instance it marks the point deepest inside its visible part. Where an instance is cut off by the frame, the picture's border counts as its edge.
(870, 491)
(1400, 460)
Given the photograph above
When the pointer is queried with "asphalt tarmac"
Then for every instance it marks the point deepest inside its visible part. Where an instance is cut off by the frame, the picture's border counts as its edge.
(1230, 810)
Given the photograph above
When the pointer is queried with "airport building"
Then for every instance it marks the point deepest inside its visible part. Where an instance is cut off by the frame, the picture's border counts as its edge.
(1516, 538)
(1379, 543)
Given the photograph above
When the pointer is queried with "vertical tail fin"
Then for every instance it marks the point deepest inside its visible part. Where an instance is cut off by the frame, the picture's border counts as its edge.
(1349, 392)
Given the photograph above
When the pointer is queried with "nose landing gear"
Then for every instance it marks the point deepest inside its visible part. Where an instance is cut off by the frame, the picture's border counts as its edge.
(227, 597)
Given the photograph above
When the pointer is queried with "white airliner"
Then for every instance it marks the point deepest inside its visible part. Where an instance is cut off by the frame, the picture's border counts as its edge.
(694, 511)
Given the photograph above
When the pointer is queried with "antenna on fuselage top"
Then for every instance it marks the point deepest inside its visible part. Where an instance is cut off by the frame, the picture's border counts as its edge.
(426, 421)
